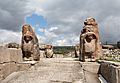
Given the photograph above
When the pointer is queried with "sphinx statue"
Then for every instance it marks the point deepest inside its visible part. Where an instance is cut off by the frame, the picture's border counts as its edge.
(29, 44)
(90, 45)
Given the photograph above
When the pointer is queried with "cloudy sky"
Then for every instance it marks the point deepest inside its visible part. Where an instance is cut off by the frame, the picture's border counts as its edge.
(58, 22)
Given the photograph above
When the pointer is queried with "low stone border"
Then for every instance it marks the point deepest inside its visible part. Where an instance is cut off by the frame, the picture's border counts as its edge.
(10, 67)
(110, 71)
(11, 61)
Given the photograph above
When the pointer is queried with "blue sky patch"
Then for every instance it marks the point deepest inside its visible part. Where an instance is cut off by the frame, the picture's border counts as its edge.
(38, 22)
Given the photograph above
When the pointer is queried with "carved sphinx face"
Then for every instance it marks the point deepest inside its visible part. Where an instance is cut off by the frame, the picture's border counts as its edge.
(25, 28)
(90, 38)
(27, 38)
(27, 33)
(90, 21)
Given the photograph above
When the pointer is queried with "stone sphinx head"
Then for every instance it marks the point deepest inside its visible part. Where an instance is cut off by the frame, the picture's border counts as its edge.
(28, 37)
(90, 21)
(27, 33)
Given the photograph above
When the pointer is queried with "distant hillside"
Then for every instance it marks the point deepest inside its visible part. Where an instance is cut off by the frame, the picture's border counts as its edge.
(63, 49)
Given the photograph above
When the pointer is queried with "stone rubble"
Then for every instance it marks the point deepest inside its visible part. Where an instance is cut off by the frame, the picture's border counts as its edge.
(113, 54)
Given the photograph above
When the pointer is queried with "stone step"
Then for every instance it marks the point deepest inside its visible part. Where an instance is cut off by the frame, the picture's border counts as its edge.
(53, 70)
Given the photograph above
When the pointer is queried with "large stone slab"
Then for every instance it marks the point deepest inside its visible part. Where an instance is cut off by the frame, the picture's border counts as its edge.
(6, 69)
(90, 70)
(110, 71)
(56, 70)
(10, 54)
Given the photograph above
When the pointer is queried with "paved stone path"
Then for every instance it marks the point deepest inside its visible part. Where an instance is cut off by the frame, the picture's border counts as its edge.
(54, 70)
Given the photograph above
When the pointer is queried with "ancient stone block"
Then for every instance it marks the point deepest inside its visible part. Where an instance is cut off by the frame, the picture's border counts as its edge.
(42, 48)
(110, 72)
(49, 51)
(46, 51)
(77, 49)
(6, 69)
(9, 55)
(23, 66)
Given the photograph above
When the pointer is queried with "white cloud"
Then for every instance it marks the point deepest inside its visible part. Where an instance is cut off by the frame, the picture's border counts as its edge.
(53, 28)
(61, 42)
(49, 34)
(68, 16)
(9, 36)
(12, 14)
(64, 17)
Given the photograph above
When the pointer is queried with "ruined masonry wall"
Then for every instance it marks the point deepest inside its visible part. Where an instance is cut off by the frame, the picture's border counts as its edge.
(110, 71)
(11, 61)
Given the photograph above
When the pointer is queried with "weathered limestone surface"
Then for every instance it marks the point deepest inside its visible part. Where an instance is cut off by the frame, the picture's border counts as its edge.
(77, 50)
(29, 44)
(90, 71)
(49, 51)
(6, 69)
(90, 40)
(56, 70)
(7, 55)
(46, 51)
(11, 61)
(110, 71)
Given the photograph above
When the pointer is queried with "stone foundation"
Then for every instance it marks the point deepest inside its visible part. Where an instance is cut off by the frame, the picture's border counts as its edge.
(11, 61)
(110, 71)
(10, 54)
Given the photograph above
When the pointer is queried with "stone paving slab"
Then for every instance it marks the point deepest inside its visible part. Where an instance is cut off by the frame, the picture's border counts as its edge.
(53, 70)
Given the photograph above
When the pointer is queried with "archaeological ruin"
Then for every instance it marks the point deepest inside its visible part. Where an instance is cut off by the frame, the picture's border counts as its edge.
(29, 44)
(90, 46)
(33, 62)
(46, 51)
(49, 51)
(77, 48)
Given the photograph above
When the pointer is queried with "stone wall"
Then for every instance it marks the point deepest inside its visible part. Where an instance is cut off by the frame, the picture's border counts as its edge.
(11, 61)
(110, 71)
(90, 71)
(10, 54)
(6, 69)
